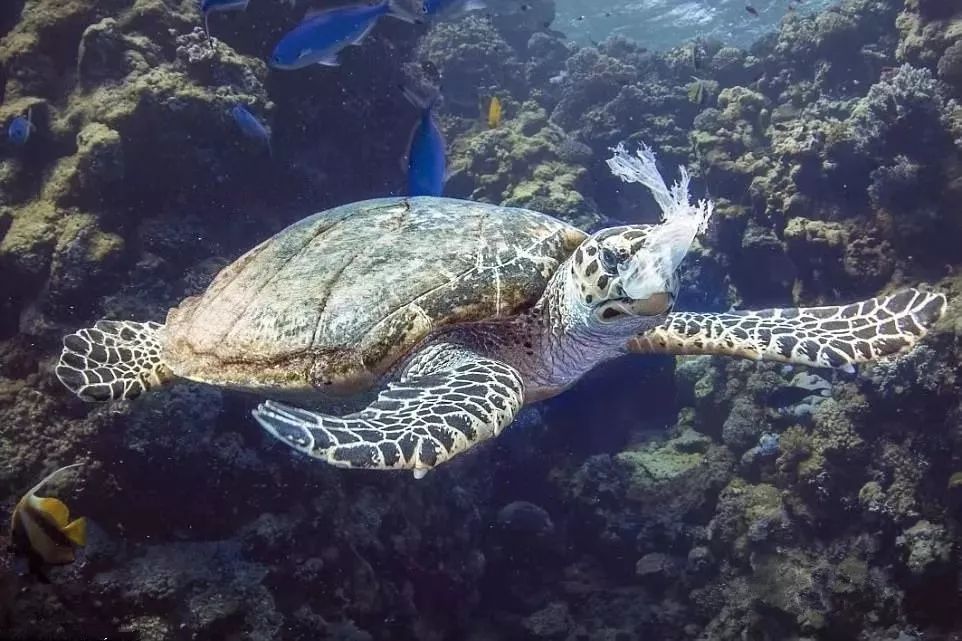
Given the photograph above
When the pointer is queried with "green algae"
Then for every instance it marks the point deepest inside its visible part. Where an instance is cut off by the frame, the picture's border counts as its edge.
(31, 237)
(676, 474)
(519, 164)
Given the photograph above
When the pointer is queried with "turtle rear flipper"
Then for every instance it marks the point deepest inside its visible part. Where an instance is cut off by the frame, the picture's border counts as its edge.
(113, 360)
(836, 336)
(448, 399)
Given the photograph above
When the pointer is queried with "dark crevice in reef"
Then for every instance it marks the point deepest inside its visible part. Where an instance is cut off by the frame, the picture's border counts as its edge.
(10, 14)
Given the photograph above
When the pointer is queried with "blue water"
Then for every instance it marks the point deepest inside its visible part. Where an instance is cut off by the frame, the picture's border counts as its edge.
(662, 24)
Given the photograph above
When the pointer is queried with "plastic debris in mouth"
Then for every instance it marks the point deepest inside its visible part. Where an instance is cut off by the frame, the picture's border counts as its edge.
(667, 244)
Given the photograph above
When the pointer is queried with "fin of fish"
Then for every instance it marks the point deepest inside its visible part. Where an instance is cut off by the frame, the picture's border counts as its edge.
(329, 61)
(396, 9)
(361, 36)
(460, 9)
(55, 509)
(423, 100)
(76, 531)
(314, 12)
(49, 477)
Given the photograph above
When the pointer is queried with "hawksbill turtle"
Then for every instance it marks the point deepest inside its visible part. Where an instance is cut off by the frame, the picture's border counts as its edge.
(447, 316)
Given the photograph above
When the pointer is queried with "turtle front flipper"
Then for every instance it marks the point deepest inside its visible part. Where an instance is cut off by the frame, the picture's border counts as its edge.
(837, 336)
(447, 399)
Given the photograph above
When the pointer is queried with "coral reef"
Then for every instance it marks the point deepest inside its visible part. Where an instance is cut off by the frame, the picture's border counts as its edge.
(523, 163)
(690, 498)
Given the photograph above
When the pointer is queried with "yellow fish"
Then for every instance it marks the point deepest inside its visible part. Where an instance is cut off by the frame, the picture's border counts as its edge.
(494, 113)
(41, 527)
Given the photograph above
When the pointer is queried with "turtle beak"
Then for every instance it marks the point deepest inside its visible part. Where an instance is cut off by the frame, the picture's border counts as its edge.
(656, 304)
(647, 286)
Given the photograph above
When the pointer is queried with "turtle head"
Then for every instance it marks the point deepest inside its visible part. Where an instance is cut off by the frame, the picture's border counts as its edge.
(624, 277)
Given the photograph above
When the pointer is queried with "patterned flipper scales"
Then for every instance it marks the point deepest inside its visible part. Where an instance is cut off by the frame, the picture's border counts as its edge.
(448, 399)
(112, 360)
(837, 336)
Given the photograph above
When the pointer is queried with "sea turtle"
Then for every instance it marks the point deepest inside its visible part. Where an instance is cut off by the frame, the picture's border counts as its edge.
(455, 314)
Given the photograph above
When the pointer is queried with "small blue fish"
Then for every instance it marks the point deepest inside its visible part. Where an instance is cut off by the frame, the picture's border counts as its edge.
(322, 35)
(208, 7)
(450, 8)
(251, 127)
(426, 161)
(20, 129)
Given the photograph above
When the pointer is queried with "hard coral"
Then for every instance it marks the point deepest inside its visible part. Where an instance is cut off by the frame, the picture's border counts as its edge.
(927, 548)
(474, 61)
(901, 111)
(523, 163)
(748, 517)
(950, 65)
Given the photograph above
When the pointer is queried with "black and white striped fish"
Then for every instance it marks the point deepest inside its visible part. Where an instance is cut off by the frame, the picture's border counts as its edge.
(41, 529)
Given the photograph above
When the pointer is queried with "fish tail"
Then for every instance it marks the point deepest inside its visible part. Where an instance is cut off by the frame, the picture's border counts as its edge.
(76, 531)
(113, 360)
(396, 9)
(423, 100)
(467, 6)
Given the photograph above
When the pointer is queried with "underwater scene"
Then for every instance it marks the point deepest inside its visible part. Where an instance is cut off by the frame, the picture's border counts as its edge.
(481, 320)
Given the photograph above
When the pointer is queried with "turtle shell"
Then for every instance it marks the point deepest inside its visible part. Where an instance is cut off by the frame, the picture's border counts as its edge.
(333, 301)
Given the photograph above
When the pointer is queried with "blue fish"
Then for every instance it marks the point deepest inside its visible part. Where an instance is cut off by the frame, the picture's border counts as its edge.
(251, 127)
(450, 8)
(208, 7)
(20, 129)
(322, 35)
(426, 161)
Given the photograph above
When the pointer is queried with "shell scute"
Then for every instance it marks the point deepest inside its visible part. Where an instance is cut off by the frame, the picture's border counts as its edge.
(334, 300)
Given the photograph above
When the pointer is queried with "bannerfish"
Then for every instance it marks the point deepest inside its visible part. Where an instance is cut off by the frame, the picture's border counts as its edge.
(494, 113)
(450, 8)
(694, 57)
(20, 129)
(426, 151)
(208, 7)
(42, 530)
(323, 34)
(251, 127)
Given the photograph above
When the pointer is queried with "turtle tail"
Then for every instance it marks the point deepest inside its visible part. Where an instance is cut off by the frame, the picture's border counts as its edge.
(113, 360)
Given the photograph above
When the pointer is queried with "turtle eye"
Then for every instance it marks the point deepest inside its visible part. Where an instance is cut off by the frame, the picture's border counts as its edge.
(609, 260)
